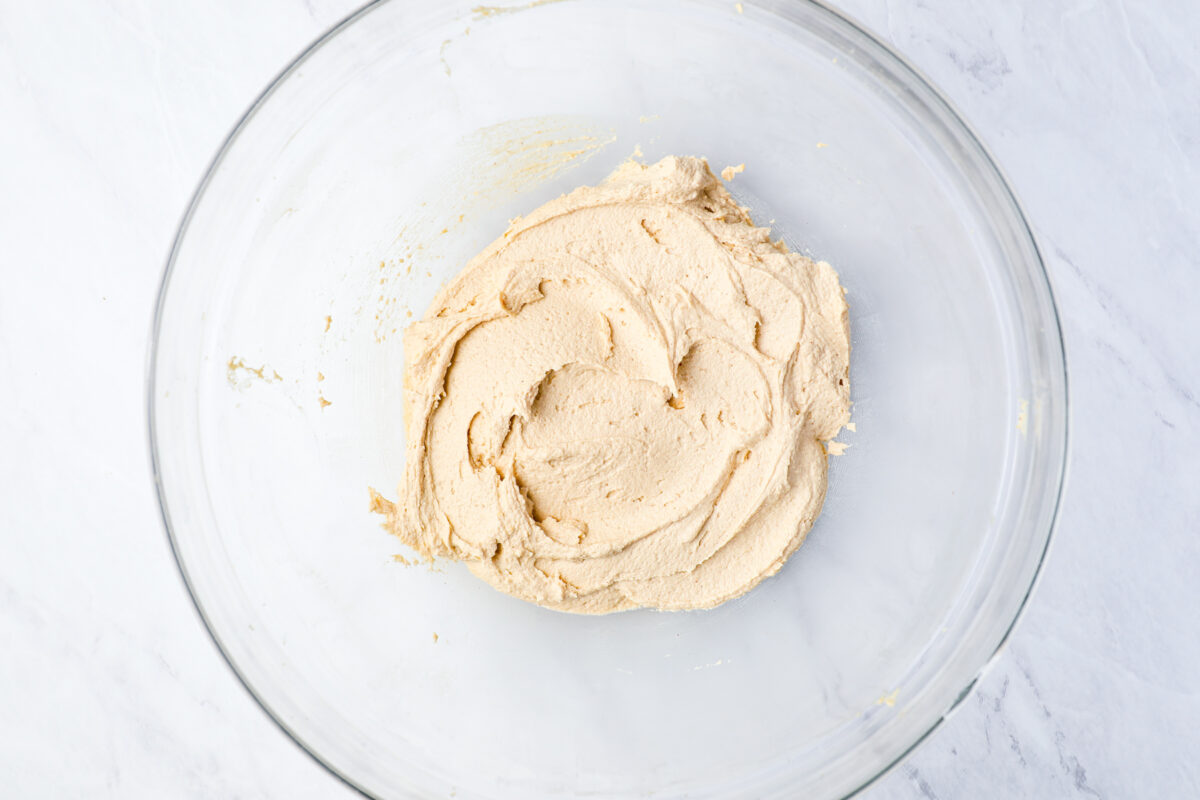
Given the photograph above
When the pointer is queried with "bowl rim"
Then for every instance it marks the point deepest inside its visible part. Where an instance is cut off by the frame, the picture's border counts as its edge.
(1040, 275)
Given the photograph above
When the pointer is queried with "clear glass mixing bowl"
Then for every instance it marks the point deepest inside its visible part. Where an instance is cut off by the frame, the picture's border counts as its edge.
(394, 149)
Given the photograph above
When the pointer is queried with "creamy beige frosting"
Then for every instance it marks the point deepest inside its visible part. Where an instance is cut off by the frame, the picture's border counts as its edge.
(623, 401)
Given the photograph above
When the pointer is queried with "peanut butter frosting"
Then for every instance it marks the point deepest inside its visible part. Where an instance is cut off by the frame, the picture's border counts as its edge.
(624, 400)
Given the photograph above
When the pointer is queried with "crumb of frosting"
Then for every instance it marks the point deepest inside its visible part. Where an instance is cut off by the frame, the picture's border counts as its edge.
(728, 173)
(236, 365)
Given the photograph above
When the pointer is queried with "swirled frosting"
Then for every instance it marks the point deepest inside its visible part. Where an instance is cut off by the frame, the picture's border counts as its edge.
(624, 401)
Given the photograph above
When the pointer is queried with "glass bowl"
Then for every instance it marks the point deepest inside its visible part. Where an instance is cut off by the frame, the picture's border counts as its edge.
(394, 149)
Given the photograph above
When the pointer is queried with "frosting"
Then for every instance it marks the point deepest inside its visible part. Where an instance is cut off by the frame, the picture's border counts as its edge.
(624, 400)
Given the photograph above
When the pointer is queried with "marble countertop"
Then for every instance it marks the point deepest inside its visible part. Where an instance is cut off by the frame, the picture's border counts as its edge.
(110, 687)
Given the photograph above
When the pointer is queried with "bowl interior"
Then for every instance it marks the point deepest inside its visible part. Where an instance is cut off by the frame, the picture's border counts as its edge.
(369, 174)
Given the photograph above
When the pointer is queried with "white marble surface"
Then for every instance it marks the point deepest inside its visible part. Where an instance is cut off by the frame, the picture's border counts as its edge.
(109, 112)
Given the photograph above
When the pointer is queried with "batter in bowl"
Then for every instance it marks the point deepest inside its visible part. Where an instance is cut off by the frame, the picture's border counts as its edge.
(624, 401)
